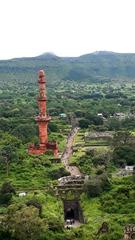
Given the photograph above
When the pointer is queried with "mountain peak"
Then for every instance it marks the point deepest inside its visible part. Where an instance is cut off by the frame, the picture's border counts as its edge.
(47, 55)
(103, 53)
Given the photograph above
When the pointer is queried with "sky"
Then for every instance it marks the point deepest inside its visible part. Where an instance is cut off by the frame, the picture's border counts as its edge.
(65, 27)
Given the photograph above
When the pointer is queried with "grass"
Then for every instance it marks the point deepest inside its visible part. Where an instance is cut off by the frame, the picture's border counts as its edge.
(60, 139)
(33, 172)
(81, 148)
(33, 175)
(95, 214)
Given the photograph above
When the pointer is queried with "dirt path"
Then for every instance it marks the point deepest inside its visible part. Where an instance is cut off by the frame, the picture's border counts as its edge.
(68, 153)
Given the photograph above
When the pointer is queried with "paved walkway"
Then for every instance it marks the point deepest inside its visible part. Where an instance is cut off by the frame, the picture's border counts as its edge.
(68, 153)
(74, 225)
(74, 171)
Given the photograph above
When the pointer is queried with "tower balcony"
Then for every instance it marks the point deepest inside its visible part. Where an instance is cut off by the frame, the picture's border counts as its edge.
(41, 118)
(41, 80)
(43, 98)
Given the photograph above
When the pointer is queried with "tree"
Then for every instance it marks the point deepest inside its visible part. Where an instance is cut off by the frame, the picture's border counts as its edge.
(7, 188)
(25, 224)
(121, 138)
(8, 149)
(124, 155)
(93, 187)
(83, 123)
(36, 204)
(6, 193)
(58, 173)
(102, 159)
(5, 235)
(53, 127)
(6, 156)
(96, 185)
(114, 124)
(25, 131)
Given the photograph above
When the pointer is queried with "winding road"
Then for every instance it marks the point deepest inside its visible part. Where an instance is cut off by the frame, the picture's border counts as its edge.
(68, 153)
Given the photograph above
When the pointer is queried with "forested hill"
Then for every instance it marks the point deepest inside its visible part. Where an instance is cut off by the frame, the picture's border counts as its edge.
(95, 67)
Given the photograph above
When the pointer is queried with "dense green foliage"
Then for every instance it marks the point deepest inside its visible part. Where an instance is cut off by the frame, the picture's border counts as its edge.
(97, 93)
(120, 199)
(96, 185)
(6, 193)
(99, 66)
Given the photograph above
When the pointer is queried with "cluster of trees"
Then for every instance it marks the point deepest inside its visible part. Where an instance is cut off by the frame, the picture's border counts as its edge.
(121, 199)
(9, 146)
(6, 193)
(96, 185)
(122, 153)
(123, 148)
(90, 120)
(23, 223)
(25, 220)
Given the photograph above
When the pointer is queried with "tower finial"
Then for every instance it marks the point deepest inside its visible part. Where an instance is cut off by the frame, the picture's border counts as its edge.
(41, 73)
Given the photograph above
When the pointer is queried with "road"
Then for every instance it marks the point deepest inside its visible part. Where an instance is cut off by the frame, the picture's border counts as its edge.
(68, 153)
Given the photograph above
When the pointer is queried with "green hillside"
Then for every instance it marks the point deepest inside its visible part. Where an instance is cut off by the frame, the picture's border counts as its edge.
(94, 67)
(95, 92)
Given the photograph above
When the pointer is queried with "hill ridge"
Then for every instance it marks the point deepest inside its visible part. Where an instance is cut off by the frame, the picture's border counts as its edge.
(92, 68)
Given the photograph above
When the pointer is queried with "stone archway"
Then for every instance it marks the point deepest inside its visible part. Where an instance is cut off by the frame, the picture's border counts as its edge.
(72, 210)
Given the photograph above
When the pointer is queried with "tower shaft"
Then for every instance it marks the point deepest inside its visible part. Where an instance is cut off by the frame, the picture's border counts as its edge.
(42, 120)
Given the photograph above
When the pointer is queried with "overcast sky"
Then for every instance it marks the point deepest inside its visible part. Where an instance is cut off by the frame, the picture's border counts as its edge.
(65, 27)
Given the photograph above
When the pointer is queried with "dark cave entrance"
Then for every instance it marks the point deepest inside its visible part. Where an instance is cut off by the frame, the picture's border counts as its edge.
(69, 214)
(72, 210)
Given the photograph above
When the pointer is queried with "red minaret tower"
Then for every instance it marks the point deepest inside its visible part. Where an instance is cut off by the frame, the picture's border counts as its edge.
(42, 120)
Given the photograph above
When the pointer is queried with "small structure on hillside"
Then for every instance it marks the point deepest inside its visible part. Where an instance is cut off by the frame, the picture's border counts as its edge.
(63, 115)
(70, 180)
(106, 135)
(22, 194)
(129, 168)
(129, 232)
(126, 171)
(120, 115)
(100, 115)
(103, 229)
(42, 120)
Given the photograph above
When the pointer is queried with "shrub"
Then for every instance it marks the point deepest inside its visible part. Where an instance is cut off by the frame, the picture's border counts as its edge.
(124, 155)
(7, 188)
(96, 185)
(6, 193)
(93, 188)
(58, 173)
(36, 204)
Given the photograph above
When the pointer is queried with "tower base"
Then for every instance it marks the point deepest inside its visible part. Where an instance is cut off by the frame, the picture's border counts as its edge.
(43, 148)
